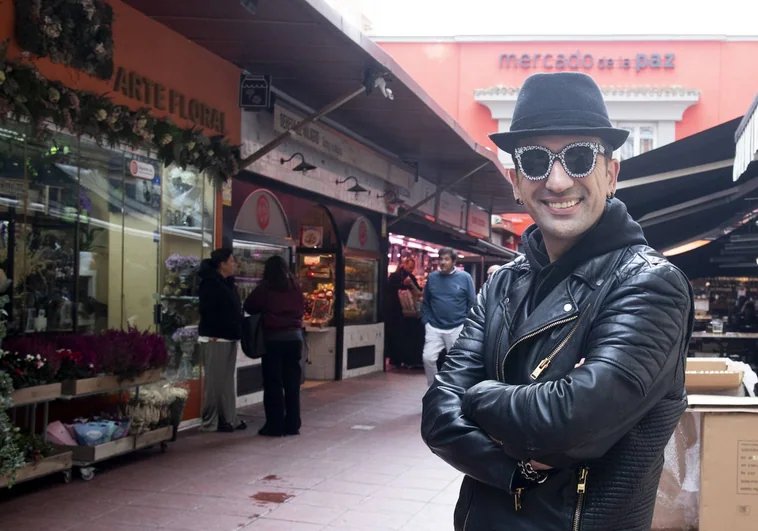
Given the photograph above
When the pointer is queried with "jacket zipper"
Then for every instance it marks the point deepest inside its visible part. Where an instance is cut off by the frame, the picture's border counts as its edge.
(536, 332)
(581, 488)
(545, 363)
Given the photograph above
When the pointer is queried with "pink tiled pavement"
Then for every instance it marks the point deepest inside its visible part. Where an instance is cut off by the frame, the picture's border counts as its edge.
(333, 477)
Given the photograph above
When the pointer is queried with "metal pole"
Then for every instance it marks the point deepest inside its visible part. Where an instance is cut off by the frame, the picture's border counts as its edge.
(262, 152)
(436, 194)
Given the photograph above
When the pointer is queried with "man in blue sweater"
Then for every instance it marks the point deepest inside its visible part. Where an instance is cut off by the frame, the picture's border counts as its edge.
(448, 296)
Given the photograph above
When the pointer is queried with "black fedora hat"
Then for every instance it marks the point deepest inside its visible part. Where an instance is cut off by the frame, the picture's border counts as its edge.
(561, 103)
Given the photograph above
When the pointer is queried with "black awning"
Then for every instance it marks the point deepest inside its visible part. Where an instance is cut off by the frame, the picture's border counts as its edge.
(684, 191)
(643, 185)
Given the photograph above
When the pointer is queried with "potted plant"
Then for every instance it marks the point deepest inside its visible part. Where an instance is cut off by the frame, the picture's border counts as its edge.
(11, 455)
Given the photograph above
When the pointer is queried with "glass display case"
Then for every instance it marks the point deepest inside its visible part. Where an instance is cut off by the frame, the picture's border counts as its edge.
(316, 274)
(361, 290)
(251, 260)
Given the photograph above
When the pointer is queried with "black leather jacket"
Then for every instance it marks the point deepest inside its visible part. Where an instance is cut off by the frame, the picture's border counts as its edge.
(602, 426)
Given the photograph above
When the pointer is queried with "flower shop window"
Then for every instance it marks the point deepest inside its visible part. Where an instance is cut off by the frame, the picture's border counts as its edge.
(187, 238)
(39, 224)
(78, 233)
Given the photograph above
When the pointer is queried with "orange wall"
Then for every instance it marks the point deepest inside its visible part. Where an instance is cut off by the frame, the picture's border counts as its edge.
(156, 52)
(726, 73)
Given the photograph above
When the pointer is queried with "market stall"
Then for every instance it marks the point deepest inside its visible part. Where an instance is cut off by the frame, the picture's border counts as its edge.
(261, 230)
(319, 256)
(363, 345)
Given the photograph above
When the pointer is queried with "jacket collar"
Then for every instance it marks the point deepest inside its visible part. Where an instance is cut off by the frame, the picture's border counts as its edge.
(561, 304)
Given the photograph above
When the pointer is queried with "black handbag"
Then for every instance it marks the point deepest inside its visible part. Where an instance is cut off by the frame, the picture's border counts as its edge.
(252, 336)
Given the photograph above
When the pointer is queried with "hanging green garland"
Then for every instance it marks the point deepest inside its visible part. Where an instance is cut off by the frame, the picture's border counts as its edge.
(76, 33)
(26, 94)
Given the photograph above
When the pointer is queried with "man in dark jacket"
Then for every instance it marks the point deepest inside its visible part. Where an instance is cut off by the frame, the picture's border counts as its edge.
(560, 395)
(219, 332)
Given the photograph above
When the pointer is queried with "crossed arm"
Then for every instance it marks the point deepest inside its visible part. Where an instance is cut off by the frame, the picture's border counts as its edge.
(635, 347)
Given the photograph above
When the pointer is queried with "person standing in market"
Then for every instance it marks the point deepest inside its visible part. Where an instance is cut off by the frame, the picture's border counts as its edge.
(448, 296)
(399, 346)
(280, 300)
(219, 332)
(567, 381)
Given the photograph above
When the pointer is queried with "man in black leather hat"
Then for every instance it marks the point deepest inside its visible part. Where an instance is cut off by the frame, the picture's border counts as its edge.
(560, 395)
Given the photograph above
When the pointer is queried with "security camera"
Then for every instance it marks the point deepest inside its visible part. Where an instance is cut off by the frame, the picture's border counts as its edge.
(381, 84)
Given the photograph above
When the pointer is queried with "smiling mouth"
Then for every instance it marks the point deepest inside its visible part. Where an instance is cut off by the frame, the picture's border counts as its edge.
(562, 205)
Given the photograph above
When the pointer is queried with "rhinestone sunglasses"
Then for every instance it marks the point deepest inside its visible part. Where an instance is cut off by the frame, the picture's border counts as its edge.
(578, 159)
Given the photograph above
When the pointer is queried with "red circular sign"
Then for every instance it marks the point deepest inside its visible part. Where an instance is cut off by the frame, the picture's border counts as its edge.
(133, 167)
(362, 233)
(263, 212)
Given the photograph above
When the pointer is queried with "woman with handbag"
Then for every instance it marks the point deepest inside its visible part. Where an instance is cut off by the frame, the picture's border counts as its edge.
(219, 332)
(280, 301)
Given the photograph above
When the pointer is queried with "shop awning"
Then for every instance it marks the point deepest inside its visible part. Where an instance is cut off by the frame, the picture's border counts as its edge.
(730, 255)
(423, 229)
(746, 138)
(683, 192)
(315, 57)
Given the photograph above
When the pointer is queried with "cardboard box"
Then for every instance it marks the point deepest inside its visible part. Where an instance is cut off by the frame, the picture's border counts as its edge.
(728, 462)
(711, 374)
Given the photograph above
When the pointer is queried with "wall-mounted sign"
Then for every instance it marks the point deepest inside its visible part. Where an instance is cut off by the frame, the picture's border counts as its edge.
(311, 236)
(141, 170)
(362, 236)
(144, 90)
(255, 91)
(262, 213)
(420, 191)
(226, 193)
(586, 61)
(478, 222)
(324, 140)
(451, 209)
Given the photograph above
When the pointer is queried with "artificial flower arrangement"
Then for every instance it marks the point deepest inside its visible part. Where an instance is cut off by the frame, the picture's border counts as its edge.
(178, 262)
(28, 367)
(34, 360)
(77, 33)
(156, 406)
(26, 94)
(186, 334)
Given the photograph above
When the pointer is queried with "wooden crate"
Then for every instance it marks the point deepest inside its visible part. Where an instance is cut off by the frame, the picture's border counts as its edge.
(93, 454)
(108, 384)
(153, 437)
(44, 467)
(37, 394)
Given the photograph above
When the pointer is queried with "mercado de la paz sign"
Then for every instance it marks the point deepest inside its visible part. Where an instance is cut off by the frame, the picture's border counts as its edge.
(138, 87)
(587, 61)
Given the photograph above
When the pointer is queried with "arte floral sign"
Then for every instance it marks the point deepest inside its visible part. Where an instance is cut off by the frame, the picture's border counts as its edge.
(26, 94)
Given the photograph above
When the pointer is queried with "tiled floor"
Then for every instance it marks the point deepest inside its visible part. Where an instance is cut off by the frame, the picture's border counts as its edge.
(359, 464)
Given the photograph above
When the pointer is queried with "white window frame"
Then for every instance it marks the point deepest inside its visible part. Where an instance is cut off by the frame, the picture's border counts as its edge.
(635, 134)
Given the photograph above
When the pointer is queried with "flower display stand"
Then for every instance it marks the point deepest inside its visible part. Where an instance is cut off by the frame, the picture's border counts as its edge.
(86, 456)
(107, 384)
(60, 462)
(36, 395)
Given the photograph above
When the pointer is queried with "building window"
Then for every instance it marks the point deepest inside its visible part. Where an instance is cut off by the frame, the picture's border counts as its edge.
(642, 138)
